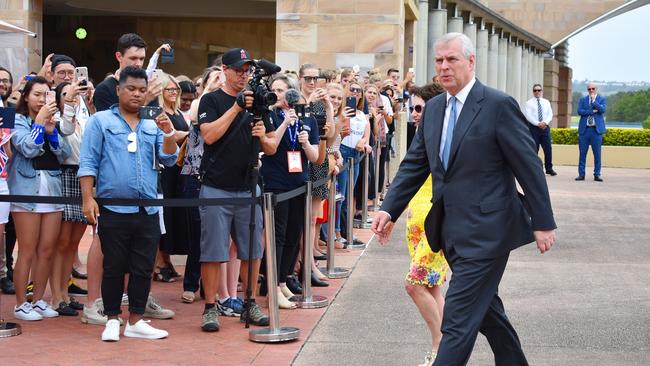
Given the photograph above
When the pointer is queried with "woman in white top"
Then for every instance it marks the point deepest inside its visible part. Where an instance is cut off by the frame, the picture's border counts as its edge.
(353, 145)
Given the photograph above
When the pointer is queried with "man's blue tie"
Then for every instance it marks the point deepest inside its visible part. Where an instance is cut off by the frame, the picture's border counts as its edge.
(450, 132)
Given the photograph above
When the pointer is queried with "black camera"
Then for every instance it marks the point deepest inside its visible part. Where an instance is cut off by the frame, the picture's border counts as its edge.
(263, 97)
(320, 114)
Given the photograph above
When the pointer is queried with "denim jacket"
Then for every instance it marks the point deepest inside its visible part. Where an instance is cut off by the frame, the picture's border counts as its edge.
(118, 172)
(23, 178)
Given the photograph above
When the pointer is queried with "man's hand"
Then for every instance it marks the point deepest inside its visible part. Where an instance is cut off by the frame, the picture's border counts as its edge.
(542, 125)
(47, 66)
(164, 46)
(90, 210)
(382, 226)
(259, 130)
(245, 100)
(544, 240)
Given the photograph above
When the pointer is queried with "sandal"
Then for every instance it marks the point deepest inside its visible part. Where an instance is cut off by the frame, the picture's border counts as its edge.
(164, 275)
(187, 297)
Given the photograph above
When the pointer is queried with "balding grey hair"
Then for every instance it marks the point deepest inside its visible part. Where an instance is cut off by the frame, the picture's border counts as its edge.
(468, 47)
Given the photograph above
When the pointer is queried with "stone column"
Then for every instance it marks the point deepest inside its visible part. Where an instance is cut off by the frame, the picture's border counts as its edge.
(437, 28)
(502, 74)
(470, 31)
(482, 55)
(551, 83)
(20, 53)
(513, 76)
(516, 71)
(421, 42)
(523, 90)
(493, 60)
(455, 24)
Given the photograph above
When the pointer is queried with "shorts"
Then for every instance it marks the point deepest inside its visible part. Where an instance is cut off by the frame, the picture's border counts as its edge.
(219, 223)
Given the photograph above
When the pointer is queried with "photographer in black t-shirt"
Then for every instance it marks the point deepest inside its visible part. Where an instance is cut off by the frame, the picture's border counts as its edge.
(228, 131)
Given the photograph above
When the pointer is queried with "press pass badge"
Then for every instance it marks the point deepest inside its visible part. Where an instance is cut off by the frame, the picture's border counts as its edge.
(295, 161)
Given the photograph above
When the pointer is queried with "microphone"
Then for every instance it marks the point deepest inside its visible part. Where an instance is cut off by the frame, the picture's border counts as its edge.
(292, 96)
(268, 66)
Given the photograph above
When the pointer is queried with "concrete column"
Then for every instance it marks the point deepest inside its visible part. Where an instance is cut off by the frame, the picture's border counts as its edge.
(532, 66)
(540, 69)
(421, 43)
(493, 60)
(517, 63)
(470, 31)
(513, 76)
(502, 74)
(437, 28)
(482, 55)
(455, 24)
(524, 77)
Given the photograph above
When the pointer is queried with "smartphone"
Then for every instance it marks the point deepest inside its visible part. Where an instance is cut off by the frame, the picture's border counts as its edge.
(29, 77)
(50, 97)
(81, 73)
(167, 57)
(411, 70)
(8, 116)
(351, 102)
(321, 83)
(146, 112)
(156, 74)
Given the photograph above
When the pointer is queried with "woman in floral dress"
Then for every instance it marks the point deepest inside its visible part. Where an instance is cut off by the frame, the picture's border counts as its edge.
(427, 269)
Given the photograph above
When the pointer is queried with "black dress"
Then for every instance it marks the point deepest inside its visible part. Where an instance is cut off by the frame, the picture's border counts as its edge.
(174, 241)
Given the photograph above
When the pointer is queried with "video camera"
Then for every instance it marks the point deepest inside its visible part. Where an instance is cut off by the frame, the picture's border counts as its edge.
(262, 94)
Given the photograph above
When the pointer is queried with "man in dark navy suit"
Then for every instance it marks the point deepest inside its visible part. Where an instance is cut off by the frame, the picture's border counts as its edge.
(591, 109)
(475, 142)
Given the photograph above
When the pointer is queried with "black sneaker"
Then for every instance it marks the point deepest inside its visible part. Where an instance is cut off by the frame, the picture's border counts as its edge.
(257, 317)
(74, 290)
(7, 286)
(580, 177)
(75, 304)
(551, 172)
(597, 178)
(65, 310)
(210, 322)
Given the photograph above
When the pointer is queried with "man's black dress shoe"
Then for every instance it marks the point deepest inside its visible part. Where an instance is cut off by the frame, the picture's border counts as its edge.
(597, 178)
(581, 177)
(552, 173)
(294, 286)
(7, 286)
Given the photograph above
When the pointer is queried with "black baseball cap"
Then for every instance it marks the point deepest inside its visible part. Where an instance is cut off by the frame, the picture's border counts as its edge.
(62, 59)
(236, 57)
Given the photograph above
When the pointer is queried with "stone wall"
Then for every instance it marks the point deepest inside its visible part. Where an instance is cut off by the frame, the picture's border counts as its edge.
(20, 53)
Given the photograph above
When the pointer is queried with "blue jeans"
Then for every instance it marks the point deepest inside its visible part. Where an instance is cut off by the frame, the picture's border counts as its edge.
(589, 138)
(342, 179)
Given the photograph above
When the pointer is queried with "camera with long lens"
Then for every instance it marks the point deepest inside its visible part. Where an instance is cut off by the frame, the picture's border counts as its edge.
(258, 84)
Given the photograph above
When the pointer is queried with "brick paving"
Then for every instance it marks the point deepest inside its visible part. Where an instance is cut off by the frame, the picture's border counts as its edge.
(66, 341)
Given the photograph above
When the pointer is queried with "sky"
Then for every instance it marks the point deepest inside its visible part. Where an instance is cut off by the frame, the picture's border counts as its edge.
(615, 50)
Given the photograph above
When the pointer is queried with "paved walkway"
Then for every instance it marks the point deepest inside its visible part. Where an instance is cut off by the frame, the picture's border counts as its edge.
(587, 302)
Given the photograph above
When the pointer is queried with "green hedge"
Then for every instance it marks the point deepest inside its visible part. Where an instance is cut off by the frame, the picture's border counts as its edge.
(646, 123)
(613, 137)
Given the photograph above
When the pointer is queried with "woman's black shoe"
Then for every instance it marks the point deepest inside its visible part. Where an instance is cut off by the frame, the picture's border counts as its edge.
(65, 310)
(320, 257)
(75, 304)
(294, 286)
(316, 282)
(79, 275)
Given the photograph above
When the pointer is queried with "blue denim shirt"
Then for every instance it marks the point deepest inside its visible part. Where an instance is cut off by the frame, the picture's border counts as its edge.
(23, 179)
(118, 172)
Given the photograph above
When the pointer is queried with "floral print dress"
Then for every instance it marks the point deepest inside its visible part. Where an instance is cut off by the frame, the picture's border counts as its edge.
(426, 268)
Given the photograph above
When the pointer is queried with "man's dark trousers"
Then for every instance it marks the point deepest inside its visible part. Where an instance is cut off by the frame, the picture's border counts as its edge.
(543, 137)
(478, 280)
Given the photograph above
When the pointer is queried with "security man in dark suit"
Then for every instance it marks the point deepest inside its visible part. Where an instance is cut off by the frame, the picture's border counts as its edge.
(475, 142)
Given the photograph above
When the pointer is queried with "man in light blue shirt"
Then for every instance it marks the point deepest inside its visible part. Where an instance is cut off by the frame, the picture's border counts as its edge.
(121, 152)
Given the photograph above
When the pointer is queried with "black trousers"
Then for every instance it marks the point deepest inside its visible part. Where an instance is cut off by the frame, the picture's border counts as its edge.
(129, 243)
(289, 218)
(192, 275)
(472, 305)
(543, 138)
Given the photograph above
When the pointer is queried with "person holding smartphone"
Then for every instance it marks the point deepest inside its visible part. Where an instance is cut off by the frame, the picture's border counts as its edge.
(38, 154)
(115, 142)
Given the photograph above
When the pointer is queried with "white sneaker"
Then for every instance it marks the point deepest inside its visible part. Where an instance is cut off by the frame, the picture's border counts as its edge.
(112, 331)
(153, 310)
(142, 329)
(44, 309)
(94, 313)
(26, 312)
(125, 300)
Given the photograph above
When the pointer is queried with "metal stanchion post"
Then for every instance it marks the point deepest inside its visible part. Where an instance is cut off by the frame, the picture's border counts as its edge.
(364, 224)
(331, 271)
(8, 329)
(350, 209)
(377, 165)
(307, 300)
(274, 333)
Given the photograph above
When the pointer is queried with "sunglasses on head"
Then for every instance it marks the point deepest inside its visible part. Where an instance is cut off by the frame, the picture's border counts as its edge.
(417, 108)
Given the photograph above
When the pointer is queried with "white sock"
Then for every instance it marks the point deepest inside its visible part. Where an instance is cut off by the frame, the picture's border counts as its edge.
(224, 299)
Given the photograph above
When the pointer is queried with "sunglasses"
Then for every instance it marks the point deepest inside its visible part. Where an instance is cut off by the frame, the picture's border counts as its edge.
(172, 90)
(537, 90)
(133, 141)
(355, 90)
(591, 88)
(310, 79)
(417, 108)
